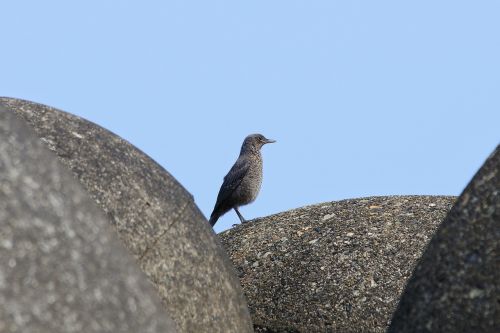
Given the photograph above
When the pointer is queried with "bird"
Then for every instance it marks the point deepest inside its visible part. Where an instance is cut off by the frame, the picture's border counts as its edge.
(242, 183)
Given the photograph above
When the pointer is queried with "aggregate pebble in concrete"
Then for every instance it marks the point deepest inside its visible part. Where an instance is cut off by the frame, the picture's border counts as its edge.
(62, 267)
(333, 267)
(456, 285)
(154, 216)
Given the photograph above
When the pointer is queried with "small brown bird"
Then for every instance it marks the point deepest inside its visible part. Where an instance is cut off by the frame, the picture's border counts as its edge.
(242, 183)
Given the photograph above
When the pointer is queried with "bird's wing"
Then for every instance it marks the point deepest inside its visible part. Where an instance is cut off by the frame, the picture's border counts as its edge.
(231, 182)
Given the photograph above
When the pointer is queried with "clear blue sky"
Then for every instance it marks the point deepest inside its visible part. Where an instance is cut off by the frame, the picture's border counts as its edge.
(364, 97)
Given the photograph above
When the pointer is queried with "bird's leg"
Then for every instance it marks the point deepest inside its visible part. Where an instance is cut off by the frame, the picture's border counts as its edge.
(242, 219)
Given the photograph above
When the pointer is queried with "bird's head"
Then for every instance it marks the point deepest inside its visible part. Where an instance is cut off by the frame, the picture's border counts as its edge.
(254, 142)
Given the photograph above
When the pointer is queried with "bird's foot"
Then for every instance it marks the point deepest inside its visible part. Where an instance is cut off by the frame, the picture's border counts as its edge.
(241, 222)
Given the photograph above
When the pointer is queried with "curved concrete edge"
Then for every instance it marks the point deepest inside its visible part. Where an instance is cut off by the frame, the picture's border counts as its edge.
(196, 276)
(155, 217)
(455, 286)
(333, 267)
(62, 268)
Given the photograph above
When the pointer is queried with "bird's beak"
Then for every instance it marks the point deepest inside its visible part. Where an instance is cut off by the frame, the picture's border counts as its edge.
(270, 141)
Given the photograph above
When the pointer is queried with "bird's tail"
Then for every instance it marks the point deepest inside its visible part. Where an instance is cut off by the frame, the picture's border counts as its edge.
(213, 219)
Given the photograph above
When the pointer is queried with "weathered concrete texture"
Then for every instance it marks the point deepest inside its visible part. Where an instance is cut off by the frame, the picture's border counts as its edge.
(333, 267)
(62, 268)
(155, 217)
(456, 285)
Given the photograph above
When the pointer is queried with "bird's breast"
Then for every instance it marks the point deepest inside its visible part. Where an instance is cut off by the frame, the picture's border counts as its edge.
(250, 186)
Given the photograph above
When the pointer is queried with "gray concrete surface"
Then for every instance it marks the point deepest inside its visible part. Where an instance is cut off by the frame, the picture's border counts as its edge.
(333, 267)
(154, 215)
(456, 285)
(62, 267)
